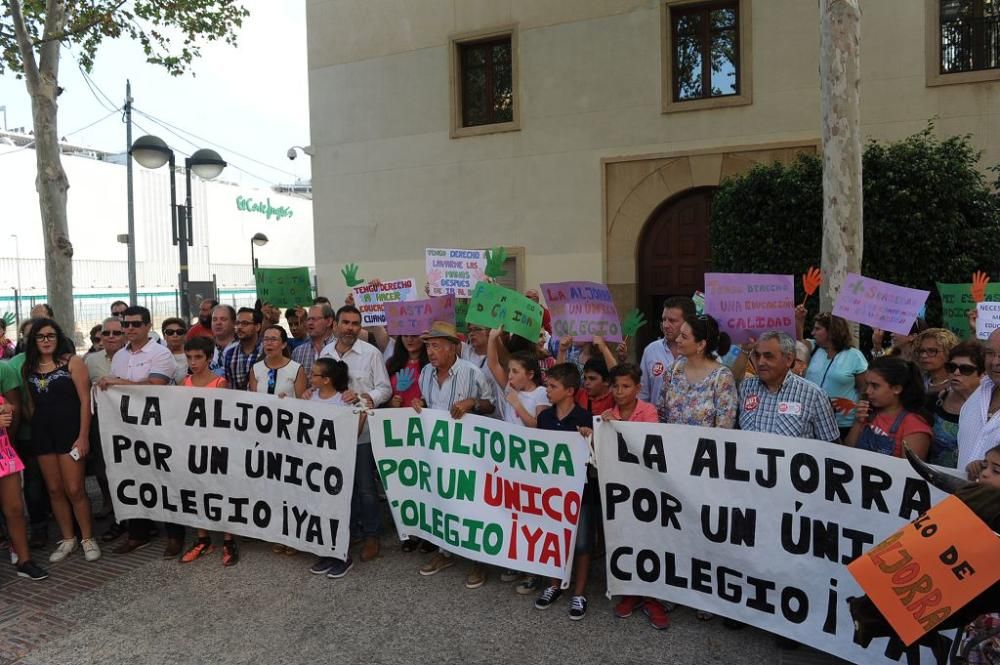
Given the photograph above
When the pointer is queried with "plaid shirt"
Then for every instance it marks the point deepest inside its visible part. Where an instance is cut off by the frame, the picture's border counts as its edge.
(306, 354)
(238, 365)
(799, 408)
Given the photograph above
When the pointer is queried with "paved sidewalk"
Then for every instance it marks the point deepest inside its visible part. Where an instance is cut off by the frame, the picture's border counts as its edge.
(269, 609)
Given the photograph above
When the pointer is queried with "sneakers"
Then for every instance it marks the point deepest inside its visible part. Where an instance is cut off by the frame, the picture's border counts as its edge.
(340, 568)
(626, 606)
(201, 547)
(409, 545)
(477, 577)
(577, 607)
(230, 553)
(509, 575)
(31, 570)
(63, 550)
(528, 586)
(549, 595)
(437, 564)
(322, 565)
(91, 552)
(656, 614)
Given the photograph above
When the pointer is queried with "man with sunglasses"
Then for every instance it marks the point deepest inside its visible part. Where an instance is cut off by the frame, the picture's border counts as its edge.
(142, 363)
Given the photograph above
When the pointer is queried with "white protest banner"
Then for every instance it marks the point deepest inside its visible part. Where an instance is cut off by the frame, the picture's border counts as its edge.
(987, 319)
(455, 271)
(281, 470)
(486, 490)
(755, 527)
(370, 299)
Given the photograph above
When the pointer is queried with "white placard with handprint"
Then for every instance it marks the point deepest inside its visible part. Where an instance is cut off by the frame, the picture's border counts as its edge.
(370, 298)
(455, 271)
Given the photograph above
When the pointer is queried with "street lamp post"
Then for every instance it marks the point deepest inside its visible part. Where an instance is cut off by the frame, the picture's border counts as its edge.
(152, 153)
(17, 268)
(258, 239)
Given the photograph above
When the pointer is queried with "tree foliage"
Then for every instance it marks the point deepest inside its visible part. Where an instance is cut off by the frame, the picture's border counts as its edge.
(930, 215)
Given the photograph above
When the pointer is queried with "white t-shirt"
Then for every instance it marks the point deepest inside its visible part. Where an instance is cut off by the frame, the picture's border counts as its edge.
(284, 381)
(337, 399)
(530, 400)
(182, 368)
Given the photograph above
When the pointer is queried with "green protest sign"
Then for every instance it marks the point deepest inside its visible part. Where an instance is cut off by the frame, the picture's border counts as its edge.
(284, 287)
(461, 311)
(956, 300)
(493, 306)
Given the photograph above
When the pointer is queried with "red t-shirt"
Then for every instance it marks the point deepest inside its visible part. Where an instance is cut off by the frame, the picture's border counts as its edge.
(412, 390)
(912, 424)
(594, 407)
(198, 330)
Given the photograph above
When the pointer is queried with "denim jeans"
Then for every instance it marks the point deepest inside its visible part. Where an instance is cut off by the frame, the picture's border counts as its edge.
(366, 513)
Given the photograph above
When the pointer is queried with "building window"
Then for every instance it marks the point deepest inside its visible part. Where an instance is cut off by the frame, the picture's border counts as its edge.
(706, 53)
(484, 82)
(969, 35)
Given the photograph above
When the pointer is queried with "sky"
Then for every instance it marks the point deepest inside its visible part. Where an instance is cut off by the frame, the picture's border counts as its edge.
(251, 99)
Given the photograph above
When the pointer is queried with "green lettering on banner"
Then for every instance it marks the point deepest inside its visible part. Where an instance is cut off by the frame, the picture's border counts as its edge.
(390, 440)
(284, 287)
(956, 301)
(493, 305)
(246, 204)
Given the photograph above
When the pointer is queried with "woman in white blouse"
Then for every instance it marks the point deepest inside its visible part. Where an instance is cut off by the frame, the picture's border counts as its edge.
(277, 374)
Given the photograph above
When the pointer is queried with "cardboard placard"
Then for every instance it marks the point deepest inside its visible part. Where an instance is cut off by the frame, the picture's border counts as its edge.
(581, 310)
(454, 271)
(746, 304)
(879, 304)
(284, 287)
(416, 316)
(371, 298)
(493, 306)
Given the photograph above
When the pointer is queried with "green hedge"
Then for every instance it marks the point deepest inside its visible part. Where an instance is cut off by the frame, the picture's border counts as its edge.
(929, 215)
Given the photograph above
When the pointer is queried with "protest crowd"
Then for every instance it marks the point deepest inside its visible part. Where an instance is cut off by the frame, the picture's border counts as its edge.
(926, 391)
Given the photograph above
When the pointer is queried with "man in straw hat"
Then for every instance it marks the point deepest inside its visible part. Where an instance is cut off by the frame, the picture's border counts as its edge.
(457, 386)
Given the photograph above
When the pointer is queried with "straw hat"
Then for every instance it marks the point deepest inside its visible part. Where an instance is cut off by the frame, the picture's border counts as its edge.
(441, 330)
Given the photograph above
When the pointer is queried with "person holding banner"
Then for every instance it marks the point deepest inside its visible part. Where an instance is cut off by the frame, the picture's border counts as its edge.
(659, 355)
(932, 348)
(143, 363)
(409, 356)
(277, 374)
(778, 401)
(370, 388)
(836, 366)
(457, 386)
(893, 416)
(698, 389)
(174, 329)
(59, 390)
(979, 421)
(224, 335)
(241, 357)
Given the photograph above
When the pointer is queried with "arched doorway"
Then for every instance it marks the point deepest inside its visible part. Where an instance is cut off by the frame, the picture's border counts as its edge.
(673, 255)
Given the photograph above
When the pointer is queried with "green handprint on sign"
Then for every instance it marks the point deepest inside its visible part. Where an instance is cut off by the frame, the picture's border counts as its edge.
(494, 262)
(8, 319)
(350, 273)
(633, 321)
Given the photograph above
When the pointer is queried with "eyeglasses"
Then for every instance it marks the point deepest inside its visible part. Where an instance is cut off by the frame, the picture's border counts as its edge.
(273, 339)
(174, 332)
(49, 337)
(964, 370)
(133, 324)
(928, 352)
(244, 324)
(109, 333)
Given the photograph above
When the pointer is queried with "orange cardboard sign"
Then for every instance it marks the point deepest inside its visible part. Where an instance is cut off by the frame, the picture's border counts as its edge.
(923, 573)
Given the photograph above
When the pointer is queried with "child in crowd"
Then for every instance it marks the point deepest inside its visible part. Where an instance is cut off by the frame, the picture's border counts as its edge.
(625, 381)
(561, 385)
(990, 475)
(329, 380)
(520, 380)
(11, 502)
(199, 351)
(893, 415)
(596, 397)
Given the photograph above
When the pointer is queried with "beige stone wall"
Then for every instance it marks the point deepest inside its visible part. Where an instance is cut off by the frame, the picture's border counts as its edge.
(388, 179)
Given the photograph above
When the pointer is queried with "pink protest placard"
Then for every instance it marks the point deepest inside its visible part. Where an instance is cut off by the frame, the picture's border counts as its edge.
(879, 304)
(581, 310)
(416, 316)
(746, 304)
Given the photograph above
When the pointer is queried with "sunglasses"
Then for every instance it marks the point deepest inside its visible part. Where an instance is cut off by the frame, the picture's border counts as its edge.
(109, 333)
(174, 332)
(964, 370)
(133, 324)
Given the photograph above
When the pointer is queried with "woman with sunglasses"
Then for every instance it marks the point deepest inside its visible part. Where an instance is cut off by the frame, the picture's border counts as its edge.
(931, 348)
(174, 330)
(277, 374)
(59, 406)
(965, 367)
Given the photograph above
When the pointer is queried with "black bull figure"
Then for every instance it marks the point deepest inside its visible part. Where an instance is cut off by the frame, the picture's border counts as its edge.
(869, 623)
